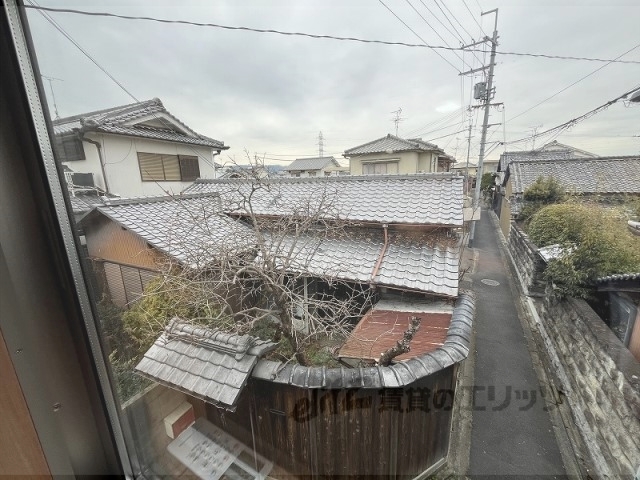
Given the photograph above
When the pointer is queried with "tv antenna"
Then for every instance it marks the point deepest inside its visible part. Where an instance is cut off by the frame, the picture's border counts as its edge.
(397, 119)
(53, 95)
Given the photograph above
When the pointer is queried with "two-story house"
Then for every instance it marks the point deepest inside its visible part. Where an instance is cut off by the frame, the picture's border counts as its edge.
(313, 167)
(133, 150)
(394, 155)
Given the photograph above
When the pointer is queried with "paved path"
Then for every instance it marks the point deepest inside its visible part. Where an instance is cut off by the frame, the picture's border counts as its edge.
(511, 434)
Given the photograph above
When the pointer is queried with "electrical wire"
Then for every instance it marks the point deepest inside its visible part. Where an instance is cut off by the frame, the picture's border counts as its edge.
(322, 37)
(448, 19)
(574, 83)
(575, 121)
(455, 18)
(474, 18)
(414, 32)
(441, 22)
(436, 32)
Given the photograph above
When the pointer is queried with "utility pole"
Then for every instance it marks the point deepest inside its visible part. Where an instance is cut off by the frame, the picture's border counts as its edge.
(466, 176)
(485, 123)
(320, 145)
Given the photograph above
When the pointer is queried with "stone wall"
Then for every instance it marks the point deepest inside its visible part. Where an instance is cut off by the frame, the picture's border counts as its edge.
(600, 381)
(527, 261)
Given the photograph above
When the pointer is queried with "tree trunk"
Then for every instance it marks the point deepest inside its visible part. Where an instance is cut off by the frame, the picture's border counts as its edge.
(402, 345)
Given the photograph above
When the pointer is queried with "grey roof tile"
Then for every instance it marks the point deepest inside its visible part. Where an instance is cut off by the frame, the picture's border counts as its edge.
(117, 120)
(581, 175)
(210, 364)
(311, 163)
(426, 199)
(189, 228)
(392, 143)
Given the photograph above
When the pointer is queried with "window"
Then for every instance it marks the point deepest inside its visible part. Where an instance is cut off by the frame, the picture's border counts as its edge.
(156, 167)
(69, 148)
(313, 174)
(380, 168)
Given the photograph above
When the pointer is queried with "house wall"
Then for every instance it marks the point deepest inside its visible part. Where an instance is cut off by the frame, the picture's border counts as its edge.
(109, 241)
(408, 162)
(121, 164)
(600, 381)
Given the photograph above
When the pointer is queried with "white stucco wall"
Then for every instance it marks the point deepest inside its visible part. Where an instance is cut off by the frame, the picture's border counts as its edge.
(120, 155)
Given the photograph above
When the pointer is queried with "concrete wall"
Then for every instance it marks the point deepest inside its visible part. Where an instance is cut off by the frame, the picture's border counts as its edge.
(528, 263)
(120, 154)
(600, 380)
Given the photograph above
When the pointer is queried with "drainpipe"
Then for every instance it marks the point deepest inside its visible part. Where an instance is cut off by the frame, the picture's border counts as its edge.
(382, 252)
(213, 162)
(100, 157)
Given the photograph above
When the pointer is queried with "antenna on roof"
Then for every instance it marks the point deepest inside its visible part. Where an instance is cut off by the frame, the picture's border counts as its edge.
(320, 145)
(397, 119)
(534, 130)
(53, 95)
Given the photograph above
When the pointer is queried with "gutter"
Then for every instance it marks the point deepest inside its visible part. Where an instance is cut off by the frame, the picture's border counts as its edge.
(100, 157)
(382, 252)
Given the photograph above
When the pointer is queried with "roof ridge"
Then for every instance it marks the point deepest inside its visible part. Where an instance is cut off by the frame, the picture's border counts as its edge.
(158, 198)
(78, 116)
(337, 179)
(581, 159)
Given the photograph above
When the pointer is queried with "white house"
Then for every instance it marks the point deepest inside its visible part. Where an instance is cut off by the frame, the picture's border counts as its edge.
(395, 155)
(314, 167)
(134, 150)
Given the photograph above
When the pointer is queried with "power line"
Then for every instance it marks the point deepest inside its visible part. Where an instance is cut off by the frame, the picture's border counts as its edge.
(436, 32)
(440, 21)
(48, 17)
(322, 37)
(574, 83)
(413, 31)
(473, 16)
(455, 18)
(579, 119)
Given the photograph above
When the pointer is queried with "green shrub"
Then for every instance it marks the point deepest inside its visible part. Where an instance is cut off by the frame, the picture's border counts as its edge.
(544, 191)
(599, 244)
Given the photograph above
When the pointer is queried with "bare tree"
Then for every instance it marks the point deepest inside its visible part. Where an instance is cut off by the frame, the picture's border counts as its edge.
(278, 273)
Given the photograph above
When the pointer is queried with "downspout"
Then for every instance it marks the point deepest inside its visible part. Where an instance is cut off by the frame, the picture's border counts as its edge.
(100, 157)
(382, 252)
(213, 162)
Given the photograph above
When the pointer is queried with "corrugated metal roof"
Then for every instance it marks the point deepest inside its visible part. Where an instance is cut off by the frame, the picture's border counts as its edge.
(408, 265)
(190, 228)
(393, 144)
(430, 199)
(581, 175)
(311, 163)
(117, 121)
(381, 328)
(209, 364)
(454, 350)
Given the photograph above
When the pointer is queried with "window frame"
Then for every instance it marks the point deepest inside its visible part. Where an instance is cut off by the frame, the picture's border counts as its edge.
(181, 164)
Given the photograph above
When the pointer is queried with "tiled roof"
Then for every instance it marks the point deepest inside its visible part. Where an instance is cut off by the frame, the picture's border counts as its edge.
(408, 265)
(384, 325)
(430, 199)
(581, 175)
(208, 364)
(454, 350)
(620, 277)
(393, 144)
(118, 120)
(84, 203)
(534, 155)
(190, 228)
(312, 163)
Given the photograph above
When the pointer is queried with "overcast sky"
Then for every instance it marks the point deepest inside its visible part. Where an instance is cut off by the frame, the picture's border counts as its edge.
(272, 94)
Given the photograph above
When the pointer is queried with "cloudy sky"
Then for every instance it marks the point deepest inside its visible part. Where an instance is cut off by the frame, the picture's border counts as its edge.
(271, 95)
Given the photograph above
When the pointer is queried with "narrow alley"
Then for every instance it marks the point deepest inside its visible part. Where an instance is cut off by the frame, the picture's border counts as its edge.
(512, 432)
